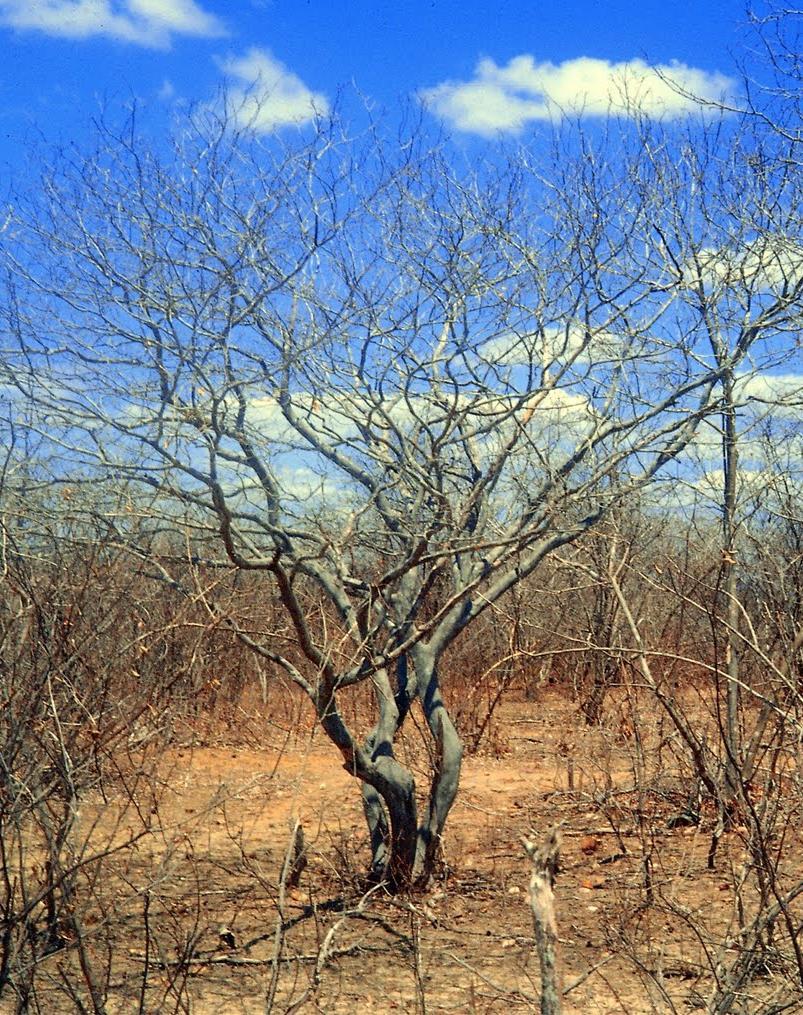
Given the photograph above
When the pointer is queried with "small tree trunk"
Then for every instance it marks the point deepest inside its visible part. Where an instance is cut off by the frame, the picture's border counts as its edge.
(730, 457)
(376, 817)
(392, 783)
(542, 902)
(393, 708)
(605, 664)
(448, 761)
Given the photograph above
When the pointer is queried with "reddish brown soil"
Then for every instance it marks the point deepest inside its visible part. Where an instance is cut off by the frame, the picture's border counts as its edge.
(221, 829)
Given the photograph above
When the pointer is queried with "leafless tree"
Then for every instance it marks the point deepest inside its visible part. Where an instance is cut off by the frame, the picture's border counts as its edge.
(391, 385)
(773, 72)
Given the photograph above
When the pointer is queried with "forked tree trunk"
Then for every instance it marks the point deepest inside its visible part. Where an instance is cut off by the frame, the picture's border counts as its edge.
(398, 795)
(390, 809)
(393, 706)
(391, 782)
(388, 792)
(391, 815)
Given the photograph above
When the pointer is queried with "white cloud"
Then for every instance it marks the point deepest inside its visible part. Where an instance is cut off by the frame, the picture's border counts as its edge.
(142, 22)
(768, 262)
(507, 98)
(553, 345)
(709, 486)
(347, 418)
(759, 396)
(269, 95)
(782, 394)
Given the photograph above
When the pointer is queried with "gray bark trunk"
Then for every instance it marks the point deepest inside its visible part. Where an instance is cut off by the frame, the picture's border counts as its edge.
(391, 818)
(542, 902)
(392, 784)
(448, 760)
(393, 706)
(730, 457)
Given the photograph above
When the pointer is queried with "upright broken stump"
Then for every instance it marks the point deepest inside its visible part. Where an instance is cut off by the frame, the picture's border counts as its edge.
(544, 858)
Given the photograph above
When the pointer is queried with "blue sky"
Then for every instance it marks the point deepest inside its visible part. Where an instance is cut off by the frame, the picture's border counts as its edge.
(484, 68)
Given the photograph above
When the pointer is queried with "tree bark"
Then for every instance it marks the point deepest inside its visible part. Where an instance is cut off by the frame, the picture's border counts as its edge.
(730, 463)
(448, 761)
(392, 783)
(392, 707)
(542, 903)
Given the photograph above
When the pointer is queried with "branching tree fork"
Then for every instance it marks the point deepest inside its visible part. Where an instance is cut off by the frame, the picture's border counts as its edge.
(384, 383)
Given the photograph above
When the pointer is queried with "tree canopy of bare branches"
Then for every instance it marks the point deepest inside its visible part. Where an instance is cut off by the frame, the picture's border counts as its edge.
(390, 384)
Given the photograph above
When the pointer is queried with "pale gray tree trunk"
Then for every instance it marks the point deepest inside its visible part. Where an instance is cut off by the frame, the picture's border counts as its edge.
(393, 707)
(730, 464)
(545, 860)
(390, 806)
(448, 761)
(392, 783)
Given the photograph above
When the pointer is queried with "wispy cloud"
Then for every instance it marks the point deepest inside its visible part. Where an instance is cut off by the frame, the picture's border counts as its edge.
(555, 345)
(769, 263)
(167, 92)
(782, 394)
(268, 95)
(507, 98)
(150, 23)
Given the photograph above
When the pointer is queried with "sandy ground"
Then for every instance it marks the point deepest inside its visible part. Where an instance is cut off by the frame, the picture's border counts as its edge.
(220, 830)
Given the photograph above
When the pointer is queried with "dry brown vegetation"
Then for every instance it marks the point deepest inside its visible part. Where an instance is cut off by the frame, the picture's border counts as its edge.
(153, 775)
(336, 572)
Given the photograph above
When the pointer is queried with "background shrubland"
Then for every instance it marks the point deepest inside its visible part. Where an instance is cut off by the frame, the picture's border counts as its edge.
(110, 676)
